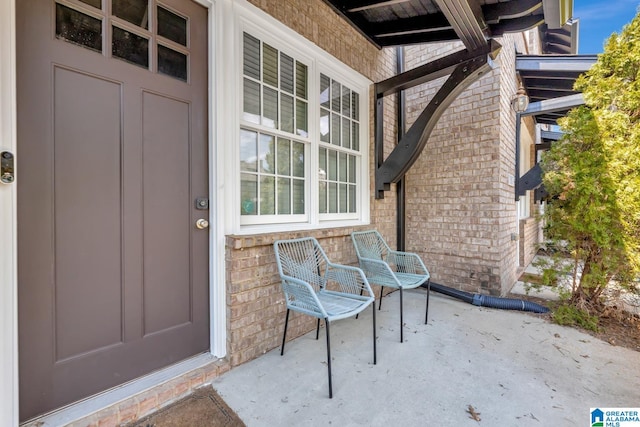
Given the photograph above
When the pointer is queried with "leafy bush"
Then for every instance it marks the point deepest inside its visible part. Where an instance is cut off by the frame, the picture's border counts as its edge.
(570, 315)
(593, 173)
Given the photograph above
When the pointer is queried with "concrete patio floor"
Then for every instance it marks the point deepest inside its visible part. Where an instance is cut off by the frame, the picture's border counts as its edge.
(512, 368)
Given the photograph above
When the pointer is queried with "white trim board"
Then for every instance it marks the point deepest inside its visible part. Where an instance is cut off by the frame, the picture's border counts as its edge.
(8, 223)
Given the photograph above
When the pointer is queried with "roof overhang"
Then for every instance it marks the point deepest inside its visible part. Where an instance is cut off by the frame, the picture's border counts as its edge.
(548, 81)
(404, 22)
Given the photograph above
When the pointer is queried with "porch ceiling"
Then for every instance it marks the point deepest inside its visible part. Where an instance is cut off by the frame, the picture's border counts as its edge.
(404, 22)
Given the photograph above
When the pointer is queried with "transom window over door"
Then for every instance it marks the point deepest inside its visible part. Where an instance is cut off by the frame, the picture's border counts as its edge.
(140, 32)
(300, 139)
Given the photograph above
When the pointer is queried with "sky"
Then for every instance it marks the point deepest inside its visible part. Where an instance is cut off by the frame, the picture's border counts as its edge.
(599, 19)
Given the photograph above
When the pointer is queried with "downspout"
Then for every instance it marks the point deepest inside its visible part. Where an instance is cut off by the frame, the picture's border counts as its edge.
(400, 188)
(517, 162)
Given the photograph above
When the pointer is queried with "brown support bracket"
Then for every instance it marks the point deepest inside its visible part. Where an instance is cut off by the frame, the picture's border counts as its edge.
(405, 154)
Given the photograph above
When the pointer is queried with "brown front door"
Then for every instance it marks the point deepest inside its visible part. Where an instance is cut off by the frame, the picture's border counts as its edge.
(112, 155)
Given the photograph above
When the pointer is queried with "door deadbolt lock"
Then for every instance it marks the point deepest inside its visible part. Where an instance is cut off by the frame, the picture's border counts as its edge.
(202, 203)
(7, 174)
(202, 224)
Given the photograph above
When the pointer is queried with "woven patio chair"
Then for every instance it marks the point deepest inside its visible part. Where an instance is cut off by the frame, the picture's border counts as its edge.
(388, 268)
(314, 286)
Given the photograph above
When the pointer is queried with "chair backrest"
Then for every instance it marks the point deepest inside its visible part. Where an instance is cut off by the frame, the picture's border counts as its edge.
(302, 259)
(370, 244)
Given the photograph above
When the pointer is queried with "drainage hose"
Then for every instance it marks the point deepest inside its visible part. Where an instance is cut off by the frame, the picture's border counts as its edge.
(489, 301)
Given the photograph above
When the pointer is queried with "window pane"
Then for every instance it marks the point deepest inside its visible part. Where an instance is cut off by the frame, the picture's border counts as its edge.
(286, 73)
(270, 65)
(134, 11)
(284, 157)
(298, 196)
(342, 167)
(172, 63)
(332, 197)
(355, 106)
(286, 113)
(324, 90)
(355, 136)
(335, 129)
(130, 47)
(343, 198)
(270, 107)
(249, 194)
(267, 195)
(251, 56)
(322, 164)
(267, 154)
(352, 198)
(346, 101)
(302, 127)
(324, 126)
(346, 132)
(301, 80)
(284, 196)
(78, 28)
(322, 197)
(172, 26)
(298, 159)
(248, 151)
(335, 96)
(251, 101)
(352, 169)
(333, 165)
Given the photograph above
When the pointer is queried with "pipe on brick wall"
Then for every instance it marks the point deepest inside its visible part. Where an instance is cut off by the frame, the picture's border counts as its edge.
(489, 301)
(401, 204)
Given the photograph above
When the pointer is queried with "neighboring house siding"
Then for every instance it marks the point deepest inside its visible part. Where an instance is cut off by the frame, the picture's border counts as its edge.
(461, 211)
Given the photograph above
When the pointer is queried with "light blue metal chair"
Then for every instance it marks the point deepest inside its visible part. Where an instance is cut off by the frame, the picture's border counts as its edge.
(314, 286)
(388, 268)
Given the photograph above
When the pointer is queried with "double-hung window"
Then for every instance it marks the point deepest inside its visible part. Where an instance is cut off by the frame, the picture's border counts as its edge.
(301, 139)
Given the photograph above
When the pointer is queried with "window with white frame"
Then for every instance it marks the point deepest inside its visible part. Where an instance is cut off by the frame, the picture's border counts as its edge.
(296, 119)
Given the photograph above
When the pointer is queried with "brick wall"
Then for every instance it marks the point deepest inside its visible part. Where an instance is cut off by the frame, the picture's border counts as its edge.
(529, 239)
(461, 212)
(255, 303)
(256, 307)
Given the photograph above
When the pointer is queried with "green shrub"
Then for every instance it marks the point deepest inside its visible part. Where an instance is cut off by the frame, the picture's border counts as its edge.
(593, 174)
(570, 315)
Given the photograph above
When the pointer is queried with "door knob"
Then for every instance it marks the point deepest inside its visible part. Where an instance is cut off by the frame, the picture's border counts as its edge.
(202, 224)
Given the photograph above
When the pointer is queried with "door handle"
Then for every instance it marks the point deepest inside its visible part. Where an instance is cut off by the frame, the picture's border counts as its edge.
(202, 223)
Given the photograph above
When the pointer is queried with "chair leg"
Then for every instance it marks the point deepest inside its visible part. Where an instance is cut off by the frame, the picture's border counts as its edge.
(318, 329)
(426, 314)
(401, 320)
(361, 293)
(380, 305)
(284, 336)
(375, 358)
(326, 322)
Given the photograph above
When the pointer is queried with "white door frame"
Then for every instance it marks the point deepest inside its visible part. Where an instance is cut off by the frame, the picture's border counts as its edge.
(9, 409)
(8, 223)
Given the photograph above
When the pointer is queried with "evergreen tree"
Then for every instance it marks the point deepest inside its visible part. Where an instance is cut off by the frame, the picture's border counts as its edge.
(593, 173)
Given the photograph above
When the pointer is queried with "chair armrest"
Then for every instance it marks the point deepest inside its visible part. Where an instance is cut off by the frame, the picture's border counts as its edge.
(407, 262)
(379, 272)
(300, 296)
(350, 279)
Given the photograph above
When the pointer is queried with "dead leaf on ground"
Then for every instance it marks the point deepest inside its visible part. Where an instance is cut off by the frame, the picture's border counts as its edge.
(473, 414)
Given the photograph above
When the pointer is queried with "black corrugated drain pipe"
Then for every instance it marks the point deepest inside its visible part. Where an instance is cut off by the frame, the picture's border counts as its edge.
(489, 301)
